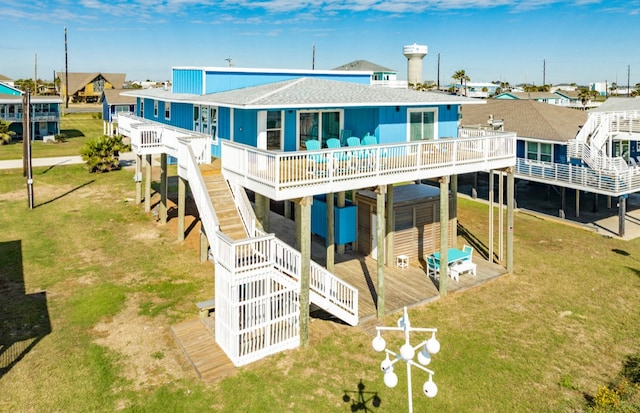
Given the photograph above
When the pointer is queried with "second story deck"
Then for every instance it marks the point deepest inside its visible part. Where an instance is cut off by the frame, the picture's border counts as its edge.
(288, 175)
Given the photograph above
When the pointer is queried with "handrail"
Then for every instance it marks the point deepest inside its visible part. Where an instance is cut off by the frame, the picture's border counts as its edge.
(188, 168)
(609, 182)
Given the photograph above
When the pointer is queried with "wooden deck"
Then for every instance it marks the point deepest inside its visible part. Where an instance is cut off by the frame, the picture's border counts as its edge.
(403, 286)
(197, 340)
(408, 287)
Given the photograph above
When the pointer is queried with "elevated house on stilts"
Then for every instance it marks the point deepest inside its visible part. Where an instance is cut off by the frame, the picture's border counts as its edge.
(297, 137)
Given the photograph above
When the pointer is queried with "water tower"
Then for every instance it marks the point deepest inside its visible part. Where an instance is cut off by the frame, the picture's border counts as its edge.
(414, 54)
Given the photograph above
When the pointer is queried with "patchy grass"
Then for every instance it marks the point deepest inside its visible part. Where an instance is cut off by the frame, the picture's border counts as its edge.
(78, 128)
(108, 281)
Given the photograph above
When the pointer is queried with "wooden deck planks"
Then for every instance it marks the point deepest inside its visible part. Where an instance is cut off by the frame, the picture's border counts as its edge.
(197, 340)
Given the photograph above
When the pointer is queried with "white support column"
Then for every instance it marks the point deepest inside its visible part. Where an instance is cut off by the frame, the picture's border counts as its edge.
(182, 199)
(147, 184)
(444, 235)
(304, 237)
(380, 241)
(163, 188)
(331, 236)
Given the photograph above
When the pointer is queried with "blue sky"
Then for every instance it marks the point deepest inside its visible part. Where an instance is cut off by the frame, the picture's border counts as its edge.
(580, 41)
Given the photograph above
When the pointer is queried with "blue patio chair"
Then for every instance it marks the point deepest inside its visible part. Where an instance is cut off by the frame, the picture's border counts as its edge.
(354, 142)
(334, 143)
(432, 267)
(469, 250)
(344, 135)
(315, 161)
(369, 140)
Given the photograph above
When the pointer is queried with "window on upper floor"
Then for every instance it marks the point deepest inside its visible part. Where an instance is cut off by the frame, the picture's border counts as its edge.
(155, 108)
(274, 130)
(167, 110)
(423, 124)
(538, 151)
(142, 108)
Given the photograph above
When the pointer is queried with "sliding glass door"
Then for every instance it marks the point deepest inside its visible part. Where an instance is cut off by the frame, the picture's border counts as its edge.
(319, 125)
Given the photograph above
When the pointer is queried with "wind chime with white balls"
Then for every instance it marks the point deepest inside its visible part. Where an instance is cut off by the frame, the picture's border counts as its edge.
(407, 352)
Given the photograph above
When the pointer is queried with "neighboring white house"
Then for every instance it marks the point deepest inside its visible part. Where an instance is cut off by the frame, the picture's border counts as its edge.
(380, 75)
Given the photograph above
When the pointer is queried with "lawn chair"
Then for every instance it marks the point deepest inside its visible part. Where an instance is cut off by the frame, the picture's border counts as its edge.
(316, 163)
(432, 267)
(334, 143)
(468, 249)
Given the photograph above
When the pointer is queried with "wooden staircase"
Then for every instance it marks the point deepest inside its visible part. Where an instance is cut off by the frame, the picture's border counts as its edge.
(228, 217)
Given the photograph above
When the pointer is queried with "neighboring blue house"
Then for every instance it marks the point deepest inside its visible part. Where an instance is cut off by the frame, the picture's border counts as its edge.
(45, 112)
(113, 103)
(595, 151)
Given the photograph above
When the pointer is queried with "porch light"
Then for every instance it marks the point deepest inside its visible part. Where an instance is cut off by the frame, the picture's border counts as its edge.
(407, 352)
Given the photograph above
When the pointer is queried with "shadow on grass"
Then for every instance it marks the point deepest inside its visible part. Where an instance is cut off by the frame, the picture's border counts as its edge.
(360, 399)
(66, 193)
(25, 317)
(479, 246)
(71, 133)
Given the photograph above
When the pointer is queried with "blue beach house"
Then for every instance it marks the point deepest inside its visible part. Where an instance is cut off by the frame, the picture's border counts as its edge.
(288, 136)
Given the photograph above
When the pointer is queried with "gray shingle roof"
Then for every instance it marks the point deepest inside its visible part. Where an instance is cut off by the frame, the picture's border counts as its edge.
(311, 93)
(528, 118)
(364, 65)
(114, 97)
(618, 104)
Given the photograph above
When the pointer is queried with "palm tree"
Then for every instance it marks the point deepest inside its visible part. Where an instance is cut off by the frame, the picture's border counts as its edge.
(5, 133)
(462, 77)
(585, 95)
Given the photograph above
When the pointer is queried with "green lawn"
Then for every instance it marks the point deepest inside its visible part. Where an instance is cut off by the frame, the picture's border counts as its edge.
(92, 284)
(77, 127)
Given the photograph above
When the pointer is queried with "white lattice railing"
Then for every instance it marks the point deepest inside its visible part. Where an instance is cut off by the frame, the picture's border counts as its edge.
(257, 309)
(326, 290)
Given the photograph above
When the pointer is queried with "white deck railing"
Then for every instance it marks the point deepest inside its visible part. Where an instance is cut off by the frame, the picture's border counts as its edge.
(257, 308)
(148, 137)
(578, 177)
(287, 175)
(326, 290)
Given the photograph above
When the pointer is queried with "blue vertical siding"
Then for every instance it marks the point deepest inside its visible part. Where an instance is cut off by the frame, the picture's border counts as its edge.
(560, 154)
(392, 125)
(521, 148)
(188, 81)
(181, 115)
(448, 121)
(361, 121)
(105, 110)
(245, 127)
(223, 81)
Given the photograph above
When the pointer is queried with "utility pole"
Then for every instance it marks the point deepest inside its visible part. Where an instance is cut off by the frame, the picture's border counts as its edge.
(544, 72)
(66, 72)
(438, 81)
(35, 76)
(26, 145)
(628, 80)
(313, 58)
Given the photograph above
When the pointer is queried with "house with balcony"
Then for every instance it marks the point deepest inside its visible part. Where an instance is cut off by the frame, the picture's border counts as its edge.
(114, 103)
(88, 87)
(593, 152)
(45, 112)
(297, 137)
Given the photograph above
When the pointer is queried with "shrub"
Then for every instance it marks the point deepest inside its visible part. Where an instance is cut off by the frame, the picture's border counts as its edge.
(102, 154)
(5, 133)
(60, 138)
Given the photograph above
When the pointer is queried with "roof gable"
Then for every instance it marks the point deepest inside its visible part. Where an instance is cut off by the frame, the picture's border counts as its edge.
(77, 81)
(114, 97)
(365, 66)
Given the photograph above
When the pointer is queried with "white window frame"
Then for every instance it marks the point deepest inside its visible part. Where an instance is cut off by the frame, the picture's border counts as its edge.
(155, 108)
(538, 152)
(319, 112)
(167, 110)
(423, 110)
(211, 120)
(142, 107)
